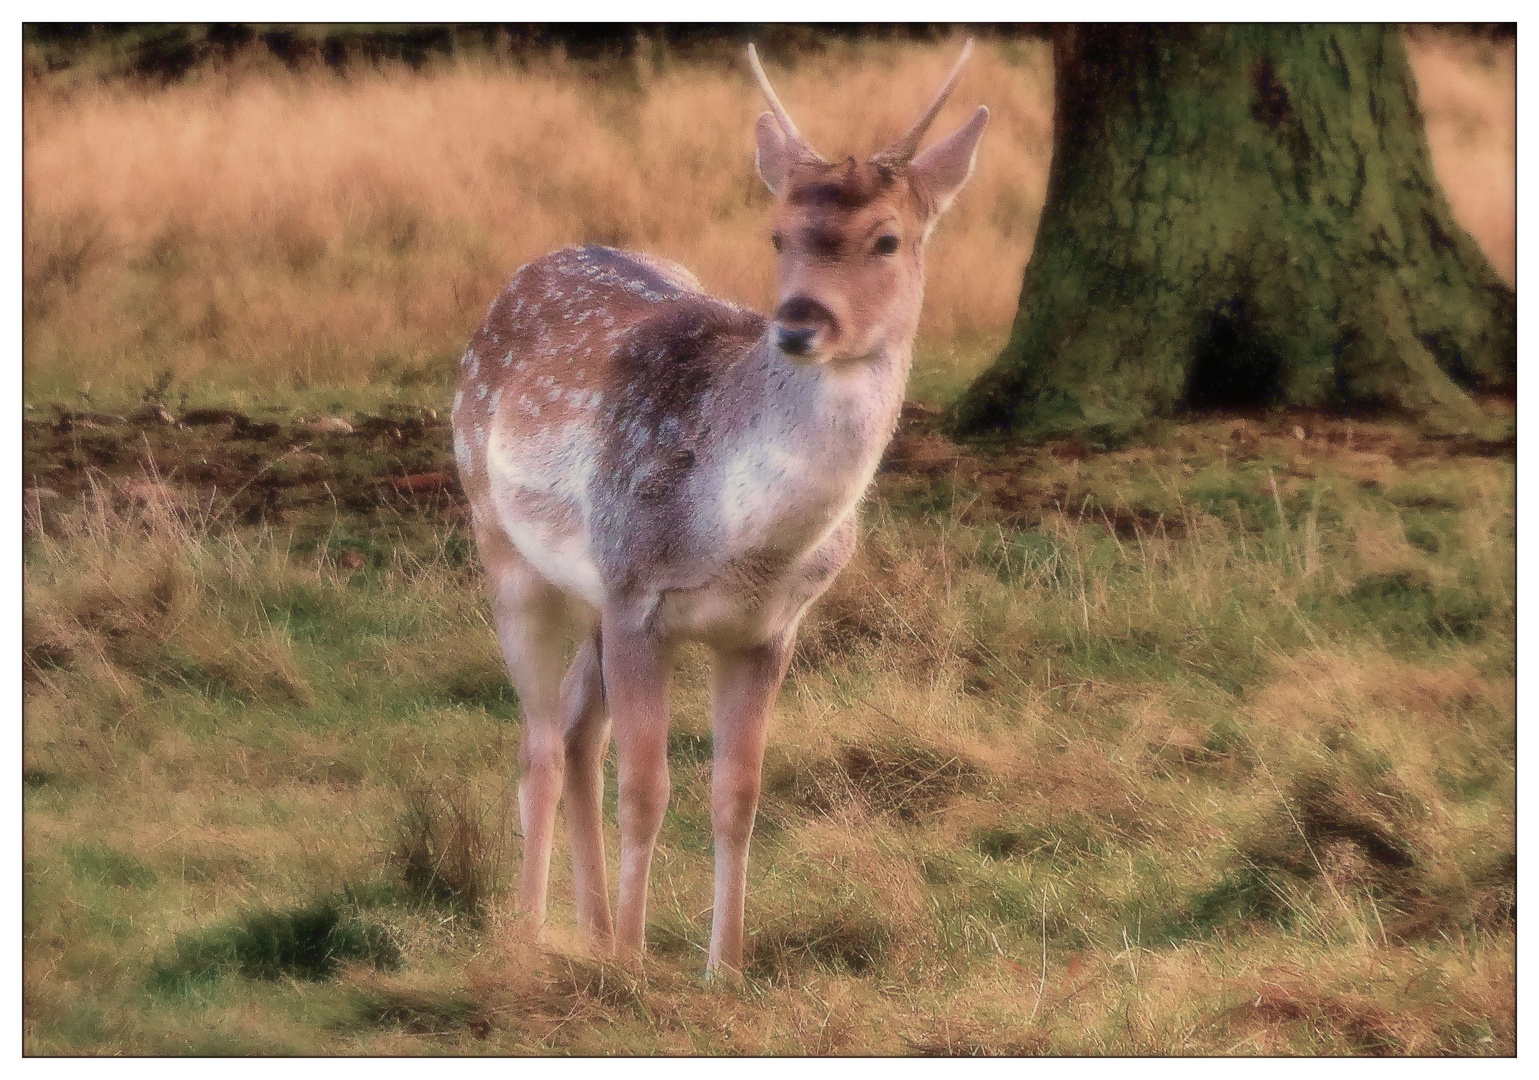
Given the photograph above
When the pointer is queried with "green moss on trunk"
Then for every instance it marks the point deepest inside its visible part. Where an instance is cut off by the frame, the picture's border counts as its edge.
(1242, 216)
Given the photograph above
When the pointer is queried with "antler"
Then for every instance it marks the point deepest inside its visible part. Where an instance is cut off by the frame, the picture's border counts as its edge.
(787, 126)
(902, 151)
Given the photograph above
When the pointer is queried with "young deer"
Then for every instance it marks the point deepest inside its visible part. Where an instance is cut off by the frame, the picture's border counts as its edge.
(652, 464)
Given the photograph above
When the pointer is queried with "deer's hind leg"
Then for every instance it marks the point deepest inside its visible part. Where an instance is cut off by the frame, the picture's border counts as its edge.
(586, 728)
(533, 619)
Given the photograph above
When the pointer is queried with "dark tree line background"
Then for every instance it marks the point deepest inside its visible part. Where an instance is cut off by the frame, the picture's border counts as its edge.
(169, 51)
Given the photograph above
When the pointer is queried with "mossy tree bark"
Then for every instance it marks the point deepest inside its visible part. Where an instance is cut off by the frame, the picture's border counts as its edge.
(1238, 216)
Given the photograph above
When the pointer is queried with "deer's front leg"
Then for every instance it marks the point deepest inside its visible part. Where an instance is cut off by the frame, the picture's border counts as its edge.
(745, 684)
(636, 687)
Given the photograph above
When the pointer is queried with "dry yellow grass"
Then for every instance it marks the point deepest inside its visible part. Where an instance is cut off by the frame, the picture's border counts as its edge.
(310, 229)
(1468, 93)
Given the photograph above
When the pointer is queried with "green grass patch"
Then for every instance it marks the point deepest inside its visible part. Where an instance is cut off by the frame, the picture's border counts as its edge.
(306, 942)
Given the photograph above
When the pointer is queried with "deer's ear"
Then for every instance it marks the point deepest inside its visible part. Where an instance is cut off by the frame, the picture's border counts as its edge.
(773, 158)
(945, 167)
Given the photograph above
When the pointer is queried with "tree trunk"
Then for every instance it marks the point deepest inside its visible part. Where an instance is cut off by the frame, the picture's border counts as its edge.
(1240, 216)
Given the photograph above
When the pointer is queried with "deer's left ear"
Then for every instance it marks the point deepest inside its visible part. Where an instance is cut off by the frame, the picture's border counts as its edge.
(945, 167)
(773, 157)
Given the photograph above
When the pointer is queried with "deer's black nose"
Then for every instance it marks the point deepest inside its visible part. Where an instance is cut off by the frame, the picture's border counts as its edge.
(804, 311)
(795, 341)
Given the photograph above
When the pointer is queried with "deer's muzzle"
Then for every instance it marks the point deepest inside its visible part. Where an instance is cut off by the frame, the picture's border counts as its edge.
(803, 327)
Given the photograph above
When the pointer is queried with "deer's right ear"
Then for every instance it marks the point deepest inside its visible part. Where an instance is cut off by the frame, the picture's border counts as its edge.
(945, 167)
(773, 159)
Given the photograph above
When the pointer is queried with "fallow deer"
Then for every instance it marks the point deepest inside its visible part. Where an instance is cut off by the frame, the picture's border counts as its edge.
(650, 464)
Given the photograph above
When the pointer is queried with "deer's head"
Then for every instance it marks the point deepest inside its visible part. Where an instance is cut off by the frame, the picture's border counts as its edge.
(850, 235)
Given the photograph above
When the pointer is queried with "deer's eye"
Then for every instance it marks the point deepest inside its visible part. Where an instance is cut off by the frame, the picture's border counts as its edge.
(886, 245)
(775, 239)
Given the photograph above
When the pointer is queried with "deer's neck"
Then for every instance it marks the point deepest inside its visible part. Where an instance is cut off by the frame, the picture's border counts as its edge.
(801, 462)
(842, 414)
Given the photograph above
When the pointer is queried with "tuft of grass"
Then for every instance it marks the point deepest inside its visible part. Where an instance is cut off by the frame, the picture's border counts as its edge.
(961, 1036)
(601, 982)
(129, 588)
(448, 850)
(415, 1009)
(98, 863)
(846, 945)
(1244, 894)
(1398, 603)
(898, 777)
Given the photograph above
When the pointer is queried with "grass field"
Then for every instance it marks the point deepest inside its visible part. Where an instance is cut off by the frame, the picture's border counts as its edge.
(1203, 746)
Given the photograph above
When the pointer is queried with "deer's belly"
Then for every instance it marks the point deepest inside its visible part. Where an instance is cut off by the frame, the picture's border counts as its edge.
(537, 488)
(561, 554)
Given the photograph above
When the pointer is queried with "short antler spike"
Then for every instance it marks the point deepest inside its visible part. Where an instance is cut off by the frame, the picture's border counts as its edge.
(902, 151)
(787, 126)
